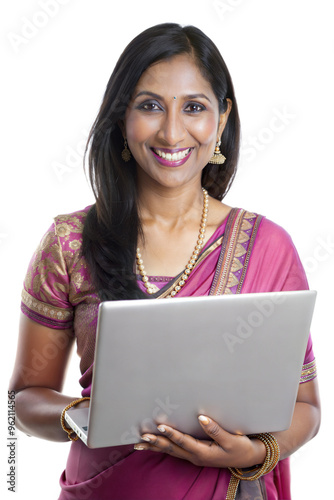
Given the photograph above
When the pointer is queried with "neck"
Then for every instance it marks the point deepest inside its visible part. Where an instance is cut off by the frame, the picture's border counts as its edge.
(170, 206)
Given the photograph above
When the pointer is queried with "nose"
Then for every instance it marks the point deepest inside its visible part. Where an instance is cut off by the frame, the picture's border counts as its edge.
(172, 128)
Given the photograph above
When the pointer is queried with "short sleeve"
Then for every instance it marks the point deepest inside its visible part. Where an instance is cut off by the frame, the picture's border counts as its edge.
(45, 295)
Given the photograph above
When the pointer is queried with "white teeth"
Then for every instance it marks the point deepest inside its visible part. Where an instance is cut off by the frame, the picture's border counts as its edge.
(172, 157)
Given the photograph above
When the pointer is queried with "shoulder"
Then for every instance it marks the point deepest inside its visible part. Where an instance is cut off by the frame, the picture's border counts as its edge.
(274, 262)
(272, 234)
(62, 242)
(270, 240)
(265, 231)
(57, 273)
(68, 229)
(70, 223)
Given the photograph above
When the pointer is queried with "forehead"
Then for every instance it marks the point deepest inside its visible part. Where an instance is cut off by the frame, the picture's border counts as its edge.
(179, 75)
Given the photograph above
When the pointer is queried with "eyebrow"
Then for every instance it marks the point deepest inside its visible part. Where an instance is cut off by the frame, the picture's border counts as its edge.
(157, 96)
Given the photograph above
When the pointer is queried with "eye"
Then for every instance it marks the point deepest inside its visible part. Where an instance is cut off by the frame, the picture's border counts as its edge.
(149, 106)
(194, 107)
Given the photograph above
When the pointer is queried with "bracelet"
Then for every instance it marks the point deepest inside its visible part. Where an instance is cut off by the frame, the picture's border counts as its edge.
(62, 418)
(270, 462)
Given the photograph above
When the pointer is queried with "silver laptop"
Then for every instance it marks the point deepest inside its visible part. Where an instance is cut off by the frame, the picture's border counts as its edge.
(235, 358)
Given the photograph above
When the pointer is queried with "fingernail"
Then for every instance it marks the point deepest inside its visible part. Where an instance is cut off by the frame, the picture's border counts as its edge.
(146, 438)
(139, 447)
(204, 420)
(161, 428)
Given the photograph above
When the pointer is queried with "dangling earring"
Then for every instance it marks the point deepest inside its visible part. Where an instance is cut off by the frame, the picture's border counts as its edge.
(126, 153)
(217, 158)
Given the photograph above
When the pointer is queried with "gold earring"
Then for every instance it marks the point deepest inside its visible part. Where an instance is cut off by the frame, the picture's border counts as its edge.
(126, 153)
(217, 158)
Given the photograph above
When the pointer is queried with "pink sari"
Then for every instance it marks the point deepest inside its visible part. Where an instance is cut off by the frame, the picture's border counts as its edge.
(247, 253)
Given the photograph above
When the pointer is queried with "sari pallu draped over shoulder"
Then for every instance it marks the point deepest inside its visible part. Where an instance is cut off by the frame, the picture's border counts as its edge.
(246, 254)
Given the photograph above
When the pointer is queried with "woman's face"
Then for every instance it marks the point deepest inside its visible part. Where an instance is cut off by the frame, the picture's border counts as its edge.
(172, 123)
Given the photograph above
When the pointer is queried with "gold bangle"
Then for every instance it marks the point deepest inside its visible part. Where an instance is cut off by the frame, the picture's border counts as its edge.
(62, 418)
(270, 462)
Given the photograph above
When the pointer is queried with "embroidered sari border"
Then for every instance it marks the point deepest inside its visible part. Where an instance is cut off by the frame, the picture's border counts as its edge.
(228, 244)
(237, 245)
(309, 372)
(249, 251)
(40, 311)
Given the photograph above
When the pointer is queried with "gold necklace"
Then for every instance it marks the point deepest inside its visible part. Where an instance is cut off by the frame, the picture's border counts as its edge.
(192, 261)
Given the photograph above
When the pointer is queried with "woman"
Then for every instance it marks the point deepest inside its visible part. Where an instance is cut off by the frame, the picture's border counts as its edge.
(158, 229)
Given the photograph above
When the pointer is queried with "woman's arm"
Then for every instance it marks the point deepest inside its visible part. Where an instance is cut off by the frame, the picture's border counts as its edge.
(306, 420)
(230, 450)
(39, 372)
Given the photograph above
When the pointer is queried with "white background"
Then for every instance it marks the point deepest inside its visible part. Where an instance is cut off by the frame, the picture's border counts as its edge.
(54, 73)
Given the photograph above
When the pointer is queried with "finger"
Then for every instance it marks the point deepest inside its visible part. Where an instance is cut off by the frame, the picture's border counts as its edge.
(177, 444)
(163, 445)
(217, 433)
(181, 440)
(198, 452)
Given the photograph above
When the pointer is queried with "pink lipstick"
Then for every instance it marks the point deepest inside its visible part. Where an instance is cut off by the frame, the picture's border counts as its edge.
(172, 157)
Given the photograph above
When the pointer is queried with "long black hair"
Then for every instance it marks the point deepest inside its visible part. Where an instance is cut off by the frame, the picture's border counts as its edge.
(112, 225)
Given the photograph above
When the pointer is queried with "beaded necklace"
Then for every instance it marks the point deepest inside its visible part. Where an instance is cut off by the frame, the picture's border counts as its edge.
(192, 261)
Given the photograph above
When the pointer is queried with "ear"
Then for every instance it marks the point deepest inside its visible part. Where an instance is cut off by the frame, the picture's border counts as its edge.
(223, 117)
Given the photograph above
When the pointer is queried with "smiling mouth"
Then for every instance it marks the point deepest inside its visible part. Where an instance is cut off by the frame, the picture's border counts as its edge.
(176, 156)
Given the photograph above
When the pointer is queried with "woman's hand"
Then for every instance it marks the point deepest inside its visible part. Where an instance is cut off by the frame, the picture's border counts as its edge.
(231, 450)
(223, 449)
